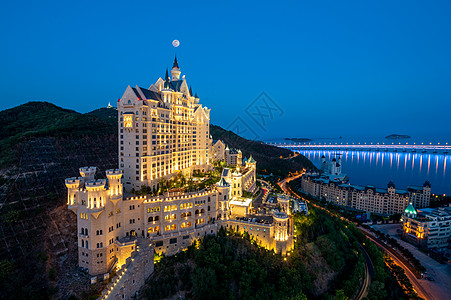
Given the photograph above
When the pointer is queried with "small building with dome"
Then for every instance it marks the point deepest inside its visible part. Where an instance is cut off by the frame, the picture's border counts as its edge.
(427, 227)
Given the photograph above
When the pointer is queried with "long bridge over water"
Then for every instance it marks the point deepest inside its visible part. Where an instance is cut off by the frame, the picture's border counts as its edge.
(383, 147)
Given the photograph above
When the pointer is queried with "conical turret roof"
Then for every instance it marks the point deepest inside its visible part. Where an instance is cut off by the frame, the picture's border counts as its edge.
(251, 160)
(410, 209)
(175, 65)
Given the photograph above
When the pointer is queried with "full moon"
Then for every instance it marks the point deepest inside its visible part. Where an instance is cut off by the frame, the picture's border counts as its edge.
(175, 43)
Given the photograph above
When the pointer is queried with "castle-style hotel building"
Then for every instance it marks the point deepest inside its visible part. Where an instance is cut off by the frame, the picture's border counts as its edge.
(164, 133)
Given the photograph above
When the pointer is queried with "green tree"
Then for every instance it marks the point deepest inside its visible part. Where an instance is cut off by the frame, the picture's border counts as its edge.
(204, 283)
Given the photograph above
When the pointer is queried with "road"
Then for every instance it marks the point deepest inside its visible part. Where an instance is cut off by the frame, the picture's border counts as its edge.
(283, 183)
(369, 273)
(441, 273)
(412, 277)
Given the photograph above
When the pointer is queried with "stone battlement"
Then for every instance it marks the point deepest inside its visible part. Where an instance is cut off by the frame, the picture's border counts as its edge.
(280, 215)
(114, 172)
(73, 182)
(88, 172)
(99, 183)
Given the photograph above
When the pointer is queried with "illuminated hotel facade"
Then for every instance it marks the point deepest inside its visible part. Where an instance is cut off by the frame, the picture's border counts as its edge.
(164, 131)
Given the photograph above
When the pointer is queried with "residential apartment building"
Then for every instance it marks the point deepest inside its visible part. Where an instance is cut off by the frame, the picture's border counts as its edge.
(367, 198)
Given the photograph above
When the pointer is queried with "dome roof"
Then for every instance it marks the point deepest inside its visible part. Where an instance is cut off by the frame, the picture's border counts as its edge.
(410, 209)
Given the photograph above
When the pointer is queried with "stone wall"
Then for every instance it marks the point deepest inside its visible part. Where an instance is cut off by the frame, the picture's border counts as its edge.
(132, 275)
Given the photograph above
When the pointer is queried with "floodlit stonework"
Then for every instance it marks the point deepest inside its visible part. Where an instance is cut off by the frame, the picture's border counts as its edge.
(218, 149)
(163, 134)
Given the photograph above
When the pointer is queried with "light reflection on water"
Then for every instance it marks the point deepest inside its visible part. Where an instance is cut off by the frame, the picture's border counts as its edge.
(404, 169)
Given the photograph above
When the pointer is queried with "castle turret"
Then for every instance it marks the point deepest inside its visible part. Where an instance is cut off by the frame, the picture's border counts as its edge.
(175, 72)
(223, 188)
(391, 188)
(114, 183)
(281, 226)
(88, 173)
(282, 236)
(72, 184)
(96, 193)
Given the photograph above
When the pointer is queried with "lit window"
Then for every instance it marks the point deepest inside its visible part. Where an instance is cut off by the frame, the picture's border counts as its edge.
(128, 120)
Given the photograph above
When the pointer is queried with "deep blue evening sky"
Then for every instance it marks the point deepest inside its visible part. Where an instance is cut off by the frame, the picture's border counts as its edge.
(334, 67)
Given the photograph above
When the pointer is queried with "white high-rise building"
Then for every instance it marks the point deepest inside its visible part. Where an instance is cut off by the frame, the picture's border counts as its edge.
(163, 130)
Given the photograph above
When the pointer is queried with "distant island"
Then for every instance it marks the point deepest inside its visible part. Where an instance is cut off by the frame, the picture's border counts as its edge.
(397, 136)
(298, 140)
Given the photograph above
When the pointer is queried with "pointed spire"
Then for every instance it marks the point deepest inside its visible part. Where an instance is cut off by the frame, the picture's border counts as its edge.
(190, 91)
(176, 64)
(166, 77)
(195, 96)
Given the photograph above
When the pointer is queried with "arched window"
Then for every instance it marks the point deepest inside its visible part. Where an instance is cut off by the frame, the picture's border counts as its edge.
(196, 212)
(87, 245)
(150, 219)
(156, 218)
(82, 243)
(188, 214)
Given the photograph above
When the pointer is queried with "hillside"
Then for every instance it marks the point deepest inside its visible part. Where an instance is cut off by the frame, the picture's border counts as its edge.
(42, 119)
(41, 145)
(106, 114)
(270, 159)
